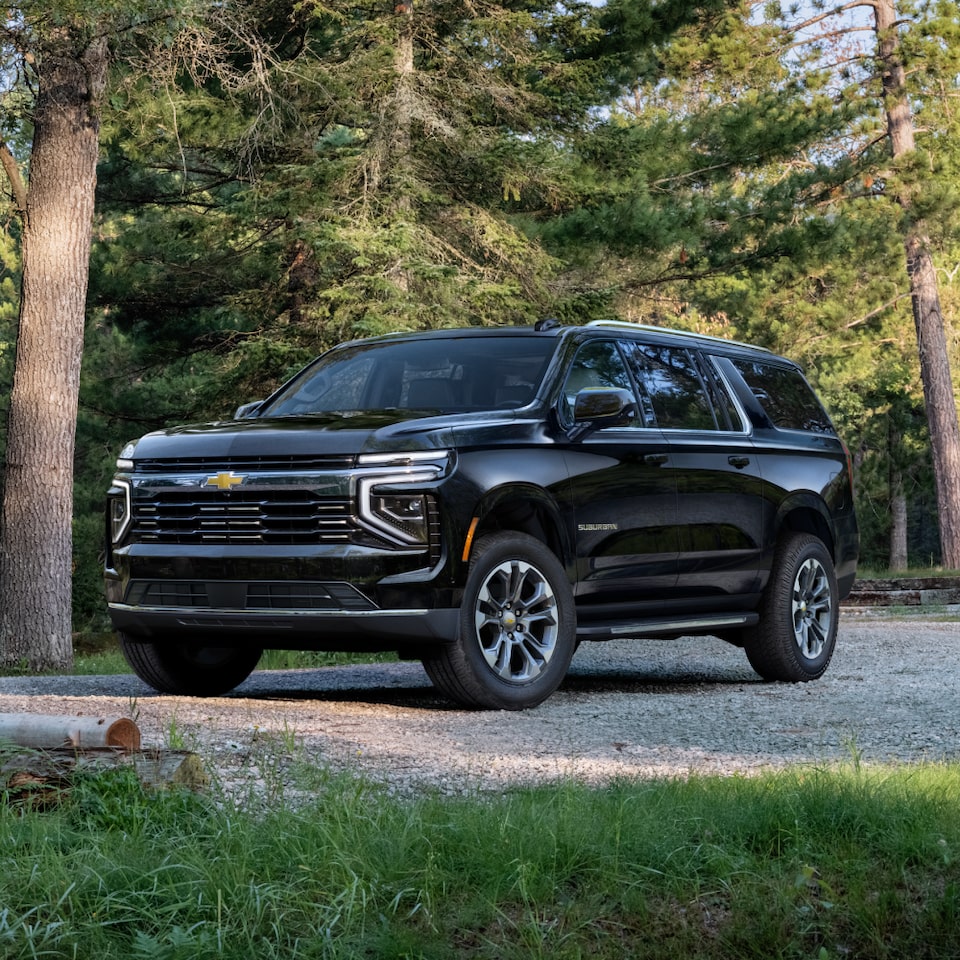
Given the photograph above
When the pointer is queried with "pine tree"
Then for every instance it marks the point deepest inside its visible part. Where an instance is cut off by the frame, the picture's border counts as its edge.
(378, 188)
(55, 58)
(69, 61)
(748, 189)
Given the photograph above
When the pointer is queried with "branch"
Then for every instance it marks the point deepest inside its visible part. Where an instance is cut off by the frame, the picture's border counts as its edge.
(845, 31)
(883, 308)
(12, 171)
(843, 8)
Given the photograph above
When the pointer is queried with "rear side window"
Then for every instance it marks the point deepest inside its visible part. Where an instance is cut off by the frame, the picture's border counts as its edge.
(677, 391)
(785, 396)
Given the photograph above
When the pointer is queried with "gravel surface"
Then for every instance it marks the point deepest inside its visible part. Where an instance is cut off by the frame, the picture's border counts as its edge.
(627, 709)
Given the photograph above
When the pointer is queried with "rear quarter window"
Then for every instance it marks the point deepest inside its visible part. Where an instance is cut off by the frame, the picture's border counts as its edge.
(785, 396)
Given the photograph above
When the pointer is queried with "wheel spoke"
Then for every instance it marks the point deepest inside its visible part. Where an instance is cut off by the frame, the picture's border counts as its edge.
(518, 578)
(516, 621)
(498, 656)
(812, 608)
(525, 666)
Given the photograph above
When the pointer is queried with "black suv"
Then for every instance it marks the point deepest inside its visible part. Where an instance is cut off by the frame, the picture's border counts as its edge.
(484, 500)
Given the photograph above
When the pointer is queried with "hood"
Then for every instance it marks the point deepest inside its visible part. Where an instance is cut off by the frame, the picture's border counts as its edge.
(327, 435)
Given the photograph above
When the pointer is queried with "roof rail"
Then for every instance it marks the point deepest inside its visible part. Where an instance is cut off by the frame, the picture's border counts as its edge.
(626, 324)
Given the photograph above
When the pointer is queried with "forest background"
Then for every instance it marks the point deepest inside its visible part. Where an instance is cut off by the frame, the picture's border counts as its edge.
(278, 177)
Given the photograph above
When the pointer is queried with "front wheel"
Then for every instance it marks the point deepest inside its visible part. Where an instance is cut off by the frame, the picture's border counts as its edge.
(797, 632)
(517, 630)
(189, 668)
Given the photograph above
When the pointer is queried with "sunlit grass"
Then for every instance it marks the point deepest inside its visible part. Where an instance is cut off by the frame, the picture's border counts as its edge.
(808, 863)
(100, 654)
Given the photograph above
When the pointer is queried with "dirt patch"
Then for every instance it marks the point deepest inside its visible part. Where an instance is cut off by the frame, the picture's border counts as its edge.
(627, 709)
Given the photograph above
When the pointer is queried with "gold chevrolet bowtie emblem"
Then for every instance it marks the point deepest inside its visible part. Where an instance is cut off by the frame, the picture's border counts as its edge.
(224, 481)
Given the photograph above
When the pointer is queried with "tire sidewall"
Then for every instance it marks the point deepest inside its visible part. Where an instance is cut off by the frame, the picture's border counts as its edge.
(796, 554)
(489, 554)
(173, 665)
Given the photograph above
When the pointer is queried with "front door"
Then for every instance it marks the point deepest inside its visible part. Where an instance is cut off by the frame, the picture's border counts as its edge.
(624, 494)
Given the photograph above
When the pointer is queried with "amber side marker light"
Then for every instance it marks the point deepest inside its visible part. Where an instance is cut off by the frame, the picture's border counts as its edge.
(468, 543)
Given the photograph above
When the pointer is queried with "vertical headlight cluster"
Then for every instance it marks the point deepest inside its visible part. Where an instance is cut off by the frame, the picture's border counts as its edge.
(119, 506)
(119, 510)
(386, 503)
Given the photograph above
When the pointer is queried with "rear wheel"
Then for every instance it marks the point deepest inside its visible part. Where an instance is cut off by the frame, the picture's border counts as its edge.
(189, 668)
(517, 627)
(797, 632)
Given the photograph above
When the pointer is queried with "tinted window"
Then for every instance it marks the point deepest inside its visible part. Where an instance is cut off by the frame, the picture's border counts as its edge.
(785, 396)
(727, 413)
(453, 374)
(597, 365)
(680, 399)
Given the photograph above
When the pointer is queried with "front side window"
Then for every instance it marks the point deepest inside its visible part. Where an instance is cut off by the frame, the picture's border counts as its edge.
(597, 365)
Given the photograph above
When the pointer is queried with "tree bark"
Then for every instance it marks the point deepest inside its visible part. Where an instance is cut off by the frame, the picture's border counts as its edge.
(403, 130)
(35, 526)
(925, 295)
(898, 508)
(39, 780)
(60, 731)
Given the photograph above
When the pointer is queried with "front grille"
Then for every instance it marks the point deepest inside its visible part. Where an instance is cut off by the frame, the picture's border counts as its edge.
(299, 595)
(168, 593)
(254, 595)
(297, 463)
(283, 517)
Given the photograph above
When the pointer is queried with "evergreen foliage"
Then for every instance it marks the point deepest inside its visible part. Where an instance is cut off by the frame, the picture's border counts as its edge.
(745, 188)
(306, 173)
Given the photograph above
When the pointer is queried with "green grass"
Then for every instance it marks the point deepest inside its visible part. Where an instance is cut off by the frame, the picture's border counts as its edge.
(100, 654)
(808, 863)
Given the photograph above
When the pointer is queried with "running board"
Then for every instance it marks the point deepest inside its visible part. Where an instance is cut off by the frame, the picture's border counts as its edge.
(665, 626)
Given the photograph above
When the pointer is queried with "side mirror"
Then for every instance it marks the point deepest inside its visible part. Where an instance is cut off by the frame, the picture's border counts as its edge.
(595, 408)
(247, 410)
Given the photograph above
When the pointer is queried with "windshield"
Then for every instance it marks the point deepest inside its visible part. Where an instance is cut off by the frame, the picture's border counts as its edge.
(448, 375)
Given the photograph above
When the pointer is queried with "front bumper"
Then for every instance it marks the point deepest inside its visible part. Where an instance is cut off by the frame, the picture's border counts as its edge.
(361, 630)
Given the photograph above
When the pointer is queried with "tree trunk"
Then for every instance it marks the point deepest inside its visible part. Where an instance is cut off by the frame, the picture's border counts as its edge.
(35, 527)
(898, 509)
(928, 317)
(39, 780)
(403, 127)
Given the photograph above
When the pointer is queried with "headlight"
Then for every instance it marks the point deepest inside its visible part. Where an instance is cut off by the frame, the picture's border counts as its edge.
(125, 460)
(388, 506)
(404, 515)
(119, 510)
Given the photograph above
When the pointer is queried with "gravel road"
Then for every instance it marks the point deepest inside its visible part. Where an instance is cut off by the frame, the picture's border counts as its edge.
(627, 709)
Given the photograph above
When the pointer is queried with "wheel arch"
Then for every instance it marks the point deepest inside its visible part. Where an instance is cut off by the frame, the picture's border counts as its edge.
(523, 508)
(807, 514)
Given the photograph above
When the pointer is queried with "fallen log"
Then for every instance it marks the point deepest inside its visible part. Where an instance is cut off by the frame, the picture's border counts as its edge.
(40, 731)
(38, 778)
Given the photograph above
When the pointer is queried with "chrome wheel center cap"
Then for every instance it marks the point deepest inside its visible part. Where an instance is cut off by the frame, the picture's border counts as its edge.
(508, 620)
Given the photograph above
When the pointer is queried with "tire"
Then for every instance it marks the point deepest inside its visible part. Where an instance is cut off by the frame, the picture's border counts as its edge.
(797, 632)
(189, 668)
(517, 630)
